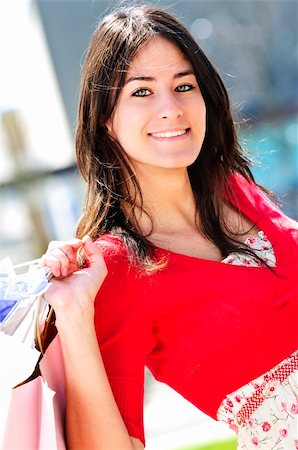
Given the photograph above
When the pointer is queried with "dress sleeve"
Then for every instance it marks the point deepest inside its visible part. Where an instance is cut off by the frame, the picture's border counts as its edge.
(124, 331)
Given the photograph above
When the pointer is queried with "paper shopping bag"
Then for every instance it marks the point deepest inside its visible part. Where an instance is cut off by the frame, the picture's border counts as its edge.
(17, 362)
(36, 415)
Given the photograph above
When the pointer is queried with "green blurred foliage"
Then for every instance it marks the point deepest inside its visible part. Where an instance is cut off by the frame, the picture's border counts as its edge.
(230, 444)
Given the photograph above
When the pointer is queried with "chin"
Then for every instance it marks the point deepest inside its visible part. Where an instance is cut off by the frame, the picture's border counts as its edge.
(179, 164)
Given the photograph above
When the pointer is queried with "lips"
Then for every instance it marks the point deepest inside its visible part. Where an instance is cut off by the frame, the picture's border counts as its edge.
(170, 134)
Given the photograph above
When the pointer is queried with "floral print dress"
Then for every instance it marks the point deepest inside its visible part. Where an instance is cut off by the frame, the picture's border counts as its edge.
(264, 413)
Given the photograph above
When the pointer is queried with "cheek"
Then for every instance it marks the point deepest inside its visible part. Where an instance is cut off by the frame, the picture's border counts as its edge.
(200, 117)
(199, 108)
(126, 118)
(129, 124)
(124, 129)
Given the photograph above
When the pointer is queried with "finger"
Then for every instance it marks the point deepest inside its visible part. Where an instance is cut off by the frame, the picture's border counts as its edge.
(94, 254)
(68, 247)
(57, 260)
(67, 250)
(66, 253)
(64, 260)
(53, 263)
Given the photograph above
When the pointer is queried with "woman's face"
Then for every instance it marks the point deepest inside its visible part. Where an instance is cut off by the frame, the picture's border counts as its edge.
(160, 116)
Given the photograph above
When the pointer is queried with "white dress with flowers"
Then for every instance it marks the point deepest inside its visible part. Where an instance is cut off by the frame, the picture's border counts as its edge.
(264, 413)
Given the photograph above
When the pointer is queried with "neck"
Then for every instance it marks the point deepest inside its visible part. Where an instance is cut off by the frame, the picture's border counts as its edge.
(168, 199)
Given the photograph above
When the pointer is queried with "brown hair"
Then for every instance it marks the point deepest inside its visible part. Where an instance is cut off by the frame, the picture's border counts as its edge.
(104, 164)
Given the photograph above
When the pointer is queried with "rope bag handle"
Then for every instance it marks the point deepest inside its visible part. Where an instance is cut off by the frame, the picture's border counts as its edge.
(44, 333)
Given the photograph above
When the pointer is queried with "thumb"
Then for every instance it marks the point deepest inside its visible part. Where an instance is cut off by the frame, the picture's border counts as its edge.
(93, 252)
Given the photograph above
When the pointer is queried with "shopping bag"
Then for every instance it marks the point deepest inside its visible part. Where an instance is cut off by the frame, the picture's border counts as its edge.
(17, 362)
(33, 418)
(18, 299)
(19, 294)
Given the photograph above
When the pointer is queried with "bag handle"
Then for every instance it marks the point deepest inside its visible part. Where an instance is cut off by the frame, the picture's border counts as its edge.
(44, 334)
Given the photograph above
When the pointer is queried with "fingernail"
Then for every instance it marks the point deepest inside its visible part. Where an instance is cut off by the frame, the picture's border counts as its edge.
(64, 272)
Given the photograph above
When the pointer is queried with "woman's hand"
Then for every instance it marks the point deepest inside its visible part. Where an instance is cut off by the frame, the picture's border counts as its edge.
(61, 257)
(72, 290)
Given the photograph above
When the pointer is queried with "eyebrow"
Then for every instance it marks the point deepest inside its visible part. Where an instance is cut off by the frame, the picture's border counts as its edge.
(144, 78)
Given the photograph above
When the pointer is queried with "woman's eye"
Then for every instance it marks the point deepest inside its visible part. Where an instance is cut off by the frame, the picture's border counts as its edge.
(143, 92)
(185, 87)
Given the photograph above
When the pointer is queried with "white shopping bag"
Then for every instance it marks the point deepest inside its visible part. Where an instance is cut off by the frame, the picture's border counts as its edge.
(18, 295)
(19, 310)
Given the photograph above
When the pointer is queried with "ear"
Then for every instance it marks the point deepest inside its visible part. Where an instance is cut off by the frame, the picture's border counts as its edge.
(109, 126)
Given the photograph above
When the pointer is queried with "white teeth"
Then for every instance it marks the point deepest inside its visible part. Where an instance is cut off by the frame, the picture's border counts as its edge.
(169, 134)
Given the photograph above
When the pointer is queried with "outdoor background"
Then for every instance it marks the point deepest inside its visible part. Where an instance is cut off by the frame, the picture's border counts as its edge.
(253, 44)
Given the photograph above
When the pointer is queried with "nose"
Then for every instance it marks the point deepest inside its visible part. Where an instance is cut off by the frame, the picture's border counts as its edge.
(169, 107)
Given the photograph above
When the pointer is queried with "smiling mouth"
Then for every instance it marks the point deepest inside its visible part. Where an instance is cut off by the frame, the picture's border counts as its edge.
(170, 134)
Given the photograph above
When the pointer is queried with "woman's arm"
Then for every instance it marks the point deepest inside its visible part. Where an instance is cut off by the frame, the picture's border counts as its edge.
(93, 420)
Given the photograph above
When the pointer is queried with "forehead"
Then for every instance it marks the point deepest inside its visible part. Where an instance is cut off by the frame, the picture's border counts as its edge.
(158, 56)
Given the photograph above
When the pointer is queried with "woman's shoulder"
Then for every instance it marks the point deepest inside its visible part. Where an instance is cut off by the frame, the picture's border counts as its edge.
(257, 202)
(111, 245)
(123, 279)
(241, 183)
(246, 191)
(114, 251)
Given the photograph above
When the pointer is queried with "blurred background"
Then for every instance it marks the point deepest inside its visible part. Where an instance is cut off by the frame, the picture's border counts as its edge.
(253, 43)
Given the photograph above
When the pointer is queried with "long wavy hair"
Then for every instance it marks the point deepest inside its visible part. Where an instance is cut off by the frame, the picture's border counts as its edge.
(104, 164)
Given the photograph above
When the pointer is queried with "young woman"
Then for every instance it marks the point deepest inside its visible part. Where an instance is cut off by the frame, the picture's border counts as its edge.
(189, 268)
